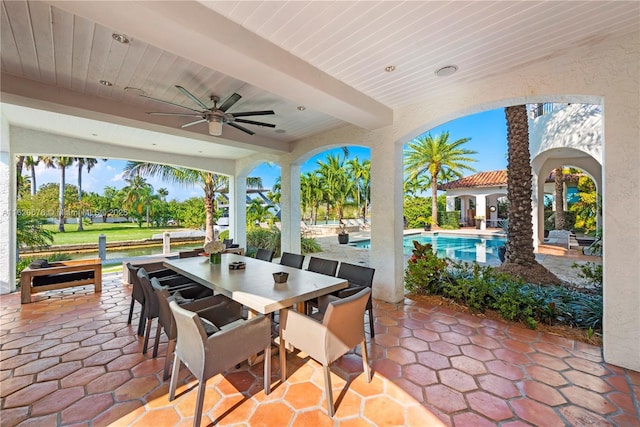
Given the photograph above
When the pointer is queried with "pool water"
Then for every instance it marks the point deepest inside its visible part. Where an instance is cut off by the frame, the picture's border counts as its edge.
(483, 249)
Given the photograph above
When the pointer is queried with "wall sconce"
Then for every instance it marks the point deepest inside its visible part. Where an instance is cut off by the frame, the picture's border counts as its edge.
(492, 208)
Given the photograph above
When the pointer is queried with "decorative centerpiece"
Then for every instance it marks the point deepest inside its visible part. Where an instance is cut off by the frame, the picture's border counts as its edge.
(214, 248)
(280, 277)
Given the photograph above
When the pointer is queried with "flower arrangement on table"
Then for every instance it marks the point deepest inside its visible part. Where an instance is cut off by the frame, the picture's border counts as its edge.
(214, 248)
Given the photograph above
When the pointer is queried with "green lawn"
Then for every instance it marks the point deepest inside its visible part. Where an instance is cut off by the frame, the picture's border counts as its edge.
(114, 232)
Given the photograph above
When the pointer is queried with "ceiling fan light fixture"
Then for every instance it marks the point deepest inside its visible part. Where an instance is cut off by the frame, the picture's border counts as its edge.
(120, 38)
(215, 126)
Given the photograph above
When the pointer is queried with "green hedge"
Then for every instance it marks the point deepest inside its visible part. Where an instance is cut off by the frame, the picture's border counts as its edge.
(449, 220)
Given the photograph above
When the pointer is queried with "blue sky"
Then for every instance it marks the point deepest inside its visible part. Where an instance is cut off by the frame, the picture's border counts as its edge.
(487, 130)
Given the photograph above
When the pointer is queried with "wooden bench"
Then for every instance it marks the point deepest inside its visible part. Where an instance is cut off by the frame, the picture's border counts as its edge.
(60, 275)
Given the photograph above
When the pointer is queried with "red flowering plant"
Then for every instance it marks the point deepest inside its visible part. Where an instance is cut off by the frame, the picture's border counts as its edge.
(425, 272)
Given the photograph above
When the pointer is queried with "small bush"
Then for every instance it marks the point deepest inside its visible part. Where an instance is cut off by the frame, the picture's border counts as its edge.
(270, 239)
(310, 246)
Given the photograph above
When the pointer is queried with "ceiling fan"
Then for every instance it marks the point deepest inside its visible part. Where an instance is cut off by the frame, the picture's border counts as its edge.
(216, 116)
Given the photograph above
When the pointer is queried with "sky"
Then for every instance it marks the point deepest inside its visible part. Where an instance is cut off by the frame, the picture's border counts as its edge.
(487, 132)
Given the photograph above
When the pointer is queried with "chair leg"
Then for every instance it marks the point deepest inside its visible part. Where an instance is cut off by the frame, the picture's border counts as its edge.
(174, 378)
(142, 321)
(202, 387)
(370, 312)
(328, 391)
(146, 336)
(267, 370)
(133, 301)
(283, 360)
(171, 347)
(365, 360)
(156, 341)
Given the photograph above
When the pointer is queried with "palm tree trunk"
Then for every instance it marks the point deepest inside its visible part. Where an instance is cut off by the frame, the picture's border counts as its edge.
(80, 165)
(61, 199)
(208, 206)
(559, 197)
(434, 200)
(34, 187)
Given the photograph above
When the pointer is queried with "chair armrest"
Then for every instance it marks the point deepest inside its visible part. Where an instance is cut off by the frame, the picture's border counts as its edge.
(351, 290)
(305, 333)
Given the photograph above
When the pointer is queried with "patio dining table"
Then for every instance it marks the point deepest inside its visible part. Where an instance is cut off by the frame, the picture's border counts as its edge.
(254, 286)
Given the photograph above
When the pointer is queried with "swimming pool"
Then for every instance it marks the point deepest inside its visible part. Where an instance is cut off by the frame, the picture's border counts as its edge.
(483, 249)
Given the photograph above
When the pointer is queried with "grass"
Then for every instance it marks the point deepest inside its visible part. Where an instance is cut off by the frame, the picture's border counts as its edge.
(114, 232)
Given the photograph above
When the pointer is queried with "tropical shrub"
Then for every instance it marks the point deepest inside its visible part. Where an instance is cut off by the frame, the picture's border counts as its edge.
(24, 263)
(483, 287)
(270, 239)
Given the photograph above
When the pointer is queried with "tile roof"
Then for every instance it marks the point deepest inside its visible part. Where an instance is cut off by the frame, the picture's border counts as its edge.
(482, 179)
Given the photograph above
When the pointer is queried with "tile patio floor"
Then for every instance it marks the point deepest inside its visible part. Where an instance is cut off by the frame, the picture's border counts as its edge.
(71, 359)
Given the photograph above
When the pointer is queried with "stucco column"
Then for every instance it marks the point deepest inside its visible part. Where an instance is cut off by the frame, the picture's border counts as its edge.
(463, 209)
(290, 215)
(7, 212)
(481, 209)
(386, 254)
(621, 253)
(537, 206)
(238, 209)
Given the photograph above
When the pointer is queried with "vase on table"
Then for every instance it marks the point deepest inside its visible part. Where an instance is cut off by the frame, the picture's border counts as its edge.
(215, 258)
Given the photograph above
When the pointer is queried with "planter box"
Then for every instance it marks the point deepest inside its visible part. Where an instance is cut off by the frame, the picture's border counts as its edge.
(343, 239)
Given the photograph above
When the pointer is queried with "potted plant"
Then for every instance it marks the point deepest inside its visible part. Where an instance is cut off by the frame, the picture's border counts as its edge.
(343, 236)
(426, 222)
(479, 219)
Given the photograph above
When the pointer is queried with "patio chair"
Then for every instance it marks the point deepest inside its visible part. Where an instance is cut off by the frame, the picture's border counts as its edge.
(306, 230)
(359, 277)
(168, 277)
(217, 309)
(341, 329)
(208, 355)
(327, 267)
(292, 260)
(186, 294)
(265, 255)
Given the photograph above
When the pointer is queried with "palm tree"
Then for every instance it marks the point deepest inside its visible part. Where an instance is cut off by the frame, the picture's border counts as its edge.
(519, 257)
(559, 184)
(89, 163)
(311, 194)
(338, 188)
(210, 183)
(62, 163)
(361, 173)
(139, 197)
(31, 162)
(437, 158)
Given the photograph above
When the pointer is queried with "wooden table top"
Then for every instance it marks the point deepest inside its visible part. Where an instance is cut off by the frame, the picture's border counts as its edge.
(254, 286)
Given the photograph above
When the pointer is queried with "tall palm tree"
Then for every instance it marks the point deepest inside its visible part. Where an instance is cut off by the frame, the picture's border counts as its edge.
(89, 163)
(559, 197)
(31, 162)
(311, 194)
(139, 197)
(437, 158)
(338, 188)
(361, 173)
(519, 258)
(61, 163)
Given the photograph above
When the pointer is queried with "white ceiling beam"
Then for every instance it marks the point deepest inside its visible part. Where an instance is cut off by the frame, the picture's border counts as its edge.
(193, 31)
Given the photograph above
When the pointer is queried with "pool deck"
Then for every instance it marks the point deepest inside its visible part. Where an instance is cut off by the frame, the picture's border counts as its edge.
(557, 259)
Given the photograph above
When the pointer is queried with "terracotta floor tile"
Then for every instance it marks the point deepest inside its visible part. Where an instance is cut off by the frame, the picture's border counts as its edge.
(492, 407)
(623, 401)
(485, 342)
(477, 352)
(316, 418)
(80, 353)
(505, 369)
(29, 394)
(383, 411)
(303, 395)
(536, 413)
(11, 385)
(468, 365)
(455, 338)
(551, 349)
(116, 414)
(59, 371)
(363, 388)
(19, 360)
(587, 366)
(108, 382)
(46, 420)
(444, 398)
(271, 414)
(499, 386)
(158, 417)
(57, 401)
(542, 393)
(471, 419)
(581, 417)
(36, 366)
(419, 416)
(511, 356)
(445, 348)
(433, 360)
(401, 355)
(386, 368)
(419, 374)
(13, 416)
(619, 382)
(185, 402)
(126, 361)
(59, 349)
(347, 406)
(135, 388)
(40, 346)
(587, 381)
(414, 344)
(548, 361)
(588, 399)
(406, 391)
(97, 339)
(82, 376)
(545, 375)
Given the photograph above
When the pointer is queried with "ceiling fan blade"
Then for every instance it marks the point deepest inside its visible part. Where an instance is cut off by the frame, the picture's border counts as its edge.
(228, 103)
(191, 97)
(169, 103)
(251, 122)
(243, 129)
(253, 113)
(193, 123)
(175, 114)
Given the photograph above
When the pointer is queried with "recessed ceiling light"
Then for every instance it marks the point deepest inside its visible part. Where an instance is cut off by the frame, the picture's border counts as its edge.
(121, 38)
(153, 143)
(446, 70)
(106, 83)
(280, 131)
(94, 134)
(390, 68)
(301, 108)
